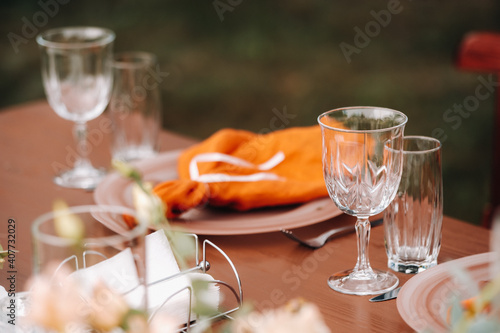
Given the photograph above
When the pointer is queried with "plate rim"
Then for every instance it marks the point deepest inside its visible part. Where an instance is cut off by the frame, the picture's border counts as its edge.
(440, 271)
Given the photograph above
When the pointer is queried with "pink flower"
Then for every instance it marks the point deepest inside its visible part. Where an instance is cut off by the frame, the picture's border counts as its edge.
(55, 302)
(297, 316)
(162, 323)
(107, 309)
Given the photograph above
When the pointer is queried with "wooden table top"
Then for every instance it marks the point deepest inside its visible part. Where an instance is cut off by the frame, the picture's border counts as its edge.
(35, 143)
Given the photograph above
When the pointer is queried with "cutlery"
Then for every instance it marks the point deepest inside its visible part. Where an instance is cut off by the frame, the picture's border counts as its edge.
(386, 296)
(319, 241)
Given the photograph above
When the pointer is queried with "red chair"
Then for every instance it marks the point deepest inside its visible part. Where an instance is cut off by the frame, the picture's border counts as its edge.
(480, 51)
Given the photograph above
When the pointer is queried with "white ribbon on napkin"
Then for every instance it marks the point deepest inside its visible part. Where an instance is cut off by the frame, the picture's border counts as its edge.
(194, 172)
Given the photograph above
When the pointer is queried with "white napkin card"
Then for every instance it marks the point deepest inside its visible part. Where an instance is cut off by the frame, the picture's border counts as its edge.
(171, 296)
(118, 273)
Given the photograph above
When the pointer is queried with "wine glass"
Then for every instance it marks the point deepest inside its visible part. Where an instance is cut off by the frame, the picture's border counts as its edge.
(77, 77)
(362, 176)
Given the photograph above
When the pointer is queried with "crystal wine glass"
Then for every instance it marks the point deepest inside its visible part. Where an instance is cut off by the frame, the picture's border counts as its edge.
(362, 177)
(77, 77)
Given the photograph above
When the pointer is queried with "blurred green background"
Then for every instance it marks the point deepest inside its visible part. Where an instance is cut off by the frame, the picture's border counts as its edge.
(237, 63)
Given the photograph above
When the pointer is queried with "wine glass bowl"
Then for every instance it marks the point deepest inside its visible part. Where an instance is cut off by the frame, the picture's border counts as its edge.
(362, 176)
(77, 77)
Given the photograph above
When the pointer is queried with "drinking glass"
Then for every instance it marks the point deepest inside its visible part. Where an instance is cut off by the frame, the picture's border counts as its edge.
(77, 77)
(135, 106)
(413, 220)
(362, 176)
(103, 253)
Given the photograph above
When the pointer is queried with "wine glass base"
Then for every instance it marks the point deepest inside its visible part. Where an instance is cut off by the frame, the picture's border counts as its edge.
(87, 178)
(348, 283)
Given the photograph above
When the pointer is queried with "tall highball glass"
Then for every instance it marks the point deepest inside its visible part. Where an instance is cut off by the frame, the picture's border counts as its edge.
(362, 176)
(77, 77)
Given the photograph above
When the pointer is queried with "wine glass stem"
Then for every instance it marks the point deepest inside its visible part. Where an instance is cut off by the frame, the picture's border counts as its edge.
(80, 133)
(362, 267)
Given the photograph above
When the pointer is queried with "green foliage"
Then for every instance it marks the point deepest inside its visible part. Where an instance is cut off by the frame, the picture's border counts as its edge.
(3, 254)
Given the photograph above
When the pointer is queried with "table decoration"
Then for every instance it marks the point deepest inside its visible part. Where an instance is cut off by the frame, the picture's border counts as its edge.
(425, 299)
(459, 296)
(135, 106)
(241, 170)
(297, 315)
(255, 256)
(413, 220)
(301, 315)
(205, 308)
(362, 165)
(77, 77)
(111, 293)
(68, 244)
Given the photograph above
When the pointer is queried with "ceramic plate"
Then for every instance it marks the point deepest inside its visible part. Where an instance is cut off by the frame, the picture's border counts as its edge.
(116, 190)
(424, 300)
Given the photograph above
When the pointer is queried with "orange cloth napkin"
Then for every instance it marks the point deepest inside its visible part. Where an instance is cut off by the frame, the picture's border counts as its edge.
(242, 170)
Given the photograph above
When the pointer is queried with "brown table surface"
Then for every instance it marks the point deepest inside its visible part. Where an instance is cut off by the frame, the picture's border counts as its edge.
(35, 143)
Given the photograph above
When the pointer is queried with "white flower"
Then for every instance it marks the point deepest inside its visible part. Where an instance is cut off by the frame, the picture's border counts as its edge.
(297, 316)
(163, 323)
(149, 207)
(67, 225)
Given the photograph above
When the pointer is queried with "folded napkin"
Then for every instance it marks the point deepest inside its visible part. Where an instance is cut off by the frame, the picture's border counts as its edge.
(170, 296)
(242, 170)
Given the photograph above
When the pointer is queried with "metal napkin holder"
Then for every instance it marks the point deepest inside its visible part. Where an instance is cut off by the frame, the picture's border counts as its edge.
(202, 266)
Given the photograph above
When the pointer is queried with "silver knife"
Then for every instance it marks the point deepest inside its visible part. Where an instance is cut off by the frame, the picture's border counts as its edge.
(386, 296)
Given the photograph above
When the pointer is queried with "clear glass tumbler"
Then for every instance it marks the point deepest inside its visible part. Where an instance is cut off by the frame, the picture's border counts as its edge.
(414, 218)
(135, 106)
(82, 250)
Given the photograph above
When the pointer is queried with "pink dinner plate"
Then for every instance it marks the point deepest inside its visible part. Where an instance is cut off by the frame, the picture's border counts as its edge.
(424, 300)
(117, 190)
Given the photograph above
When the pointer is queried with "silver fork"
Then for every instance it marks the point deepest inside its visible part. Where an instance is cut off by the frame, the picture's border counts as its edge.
(321, 240)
